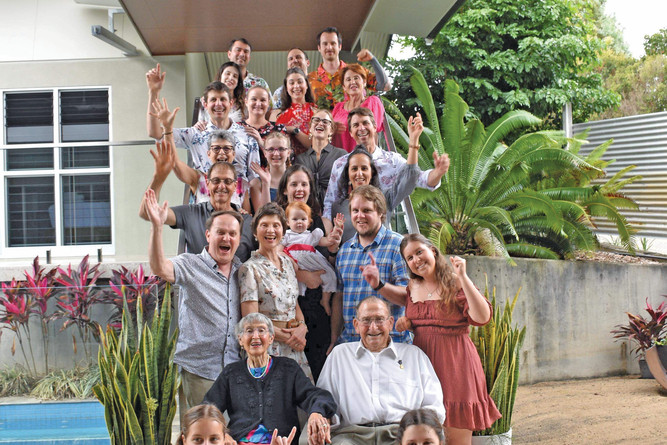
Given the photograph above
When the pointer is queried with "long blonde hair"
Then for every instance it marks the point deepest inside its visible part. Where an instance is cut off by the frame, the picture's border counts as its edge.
(444, 273)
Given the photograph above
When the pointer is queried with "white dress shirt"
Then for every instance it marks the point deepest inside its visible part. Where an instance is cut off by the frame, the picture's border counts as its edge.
(380, 387)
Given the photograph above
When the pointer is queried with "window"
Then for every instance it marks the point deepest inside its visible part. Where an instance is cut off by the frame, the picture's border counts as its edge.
(58, 191)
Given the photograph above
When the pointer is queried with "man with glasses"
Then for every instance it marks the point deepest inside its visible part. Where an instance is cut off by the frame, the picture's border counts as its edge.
(218, 102)
(369, 265)
(375, 381)
(221, 183)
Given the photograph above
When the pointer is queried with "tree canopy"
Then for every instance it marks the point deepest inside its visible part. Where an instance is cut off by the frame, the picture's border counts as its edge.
(535, 55)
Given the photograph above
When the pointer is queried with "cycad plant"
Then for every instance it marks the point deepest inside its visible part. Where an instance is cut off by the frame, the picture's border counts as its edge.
(497, 199)
(499, 345)
(139, 380)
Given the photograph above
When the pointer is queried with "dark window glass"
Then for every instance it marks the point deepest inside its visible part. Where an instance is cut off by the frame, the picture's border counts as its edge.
(86, 214)
(29, 117)
(30, 211)
(84, 157)
(84, 115)
(29, 158)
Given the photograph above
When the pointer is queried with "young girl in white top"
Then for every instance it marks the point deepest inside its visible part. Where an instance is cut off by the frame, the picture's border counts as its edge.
(299, 244)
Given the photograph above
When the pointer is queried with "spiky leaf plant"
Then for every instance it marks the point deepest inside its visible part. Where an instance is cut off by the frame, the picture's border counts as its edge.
(139, 380)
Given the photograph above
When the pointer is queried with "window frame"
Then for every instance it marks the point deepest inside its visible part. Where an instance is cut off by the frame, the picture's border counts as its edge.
(57, 172)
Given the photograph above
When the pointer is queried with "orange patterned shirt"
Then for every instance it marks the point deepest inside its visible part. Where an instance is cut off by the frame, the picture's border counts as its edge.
(328, 88)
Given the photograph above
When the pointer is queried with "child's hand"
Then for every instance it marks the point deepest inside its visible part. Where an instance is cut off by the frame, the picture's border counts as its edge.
(339, 221)
(403, 324)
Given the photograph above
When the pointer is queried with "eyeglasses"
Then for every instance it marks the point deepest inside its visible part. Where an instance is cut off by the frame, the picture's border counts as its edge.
(367, 321)
(318, 120)
(227, 181)
(226, 149)
(276, 150)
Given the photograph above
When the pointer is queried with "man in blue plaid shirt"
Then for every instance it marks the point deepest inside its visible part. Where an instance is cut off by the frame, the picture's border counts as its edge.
(369, 264)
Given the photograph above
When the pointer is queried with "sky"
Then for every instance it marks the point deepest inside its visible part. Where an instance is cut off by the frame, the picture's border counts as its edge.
(636, 18)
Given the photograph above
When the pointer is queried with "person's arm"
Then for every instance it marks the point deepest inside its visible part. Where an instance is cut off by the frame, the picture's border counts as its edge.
(332, 190)
(297, 339)
(260, 187)
(382, 80)
(332, 240)
(391, 292)
(164, 161)
(157, 215)
(155, 82)
(478, 307)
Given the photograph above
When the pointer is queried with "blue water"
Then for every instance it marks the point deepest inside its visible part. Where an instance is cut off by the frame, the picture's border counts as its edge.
(80, 423)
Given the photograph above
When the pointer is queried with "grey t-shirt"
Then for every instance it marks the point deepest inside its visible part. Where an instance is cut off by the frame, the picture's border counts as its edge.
(208, 311)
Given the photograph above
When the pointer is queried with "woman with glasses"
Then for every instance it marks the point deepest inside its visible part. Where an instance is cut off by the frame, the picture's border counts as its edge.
(296, 108)
(277, 150)
(262, 392)
(320, 157)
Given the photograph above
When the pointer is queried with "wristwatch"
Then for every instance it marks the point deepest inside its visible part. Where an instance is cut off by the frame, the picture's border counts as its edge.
(296, 131)
(379, 286)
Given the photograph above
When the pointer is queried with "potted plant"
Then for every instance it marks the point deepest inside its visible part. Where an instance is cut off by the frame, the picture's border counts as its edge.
(499, 344)
(139, 380)
(646, 333)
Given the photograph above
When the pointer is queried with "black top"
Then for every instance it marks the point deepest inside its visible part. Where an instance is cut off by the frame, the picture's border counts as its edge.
(321, 169)
(271, 400)
(191, 218)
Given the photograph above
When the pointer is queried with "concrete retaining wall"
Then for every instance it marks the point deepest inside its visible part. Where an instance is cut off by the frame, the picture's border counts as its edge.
(569, 308)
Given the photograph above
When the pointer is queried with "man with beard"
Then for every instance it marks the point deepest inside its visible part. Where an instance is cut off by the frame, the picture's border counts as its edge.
(369, 265)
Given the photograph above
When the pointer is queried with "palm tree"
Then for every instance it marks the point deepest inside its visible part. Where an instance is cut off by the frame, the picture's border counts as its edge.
(498, 199)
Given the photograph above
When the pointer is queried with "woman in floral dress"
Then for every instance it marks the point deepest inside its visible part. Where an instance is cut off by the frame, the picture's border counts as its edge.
(268, 285)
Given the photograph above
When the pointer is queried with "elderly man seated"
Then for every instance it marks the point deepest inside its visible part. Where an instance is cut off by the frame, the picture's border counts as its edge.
(376, 381)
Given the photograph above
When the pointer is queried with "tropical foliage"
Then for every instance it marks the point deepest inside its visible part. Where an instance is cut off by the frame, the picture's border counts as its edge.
(139, 381)
(513, 54)
(645, 332)
(499, 346)
(532, 198)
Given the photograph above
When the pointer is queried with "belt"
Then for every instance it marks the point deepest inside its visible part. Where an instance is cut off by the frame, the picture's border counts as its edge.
(377, 424)
(285, 324)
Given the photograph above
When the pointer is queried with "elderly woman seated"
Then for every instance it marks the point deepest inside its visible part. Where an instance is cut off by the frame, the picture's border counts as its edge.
(262, 393)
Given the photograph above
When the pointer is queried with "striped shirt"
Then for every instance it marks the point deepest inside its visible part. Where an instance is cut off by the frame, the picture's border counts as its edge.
(385, 249)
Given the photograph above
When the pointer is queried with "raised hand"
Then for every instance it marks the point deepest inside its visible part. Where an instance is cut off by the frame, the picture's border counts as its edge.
(415, 128)
(264, 175)
(459, 266)
(370, 272)
(364, 55)
(279, 440)
(161, 112)
(164, 157)
(440, 163)
(339, 221)
(157, 214)
(155, 79)
(403, 324)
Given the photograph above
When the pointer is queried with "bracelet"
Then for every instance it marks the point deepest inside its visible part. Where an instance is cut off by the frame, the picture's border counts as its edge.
(416, 147)
(167, 132)
(379, 286)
